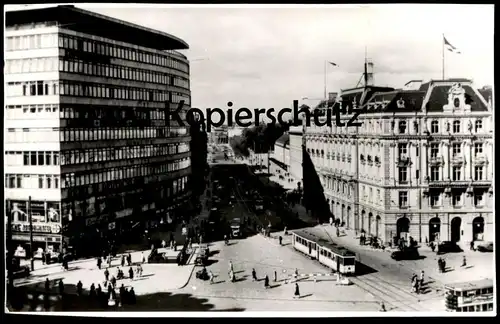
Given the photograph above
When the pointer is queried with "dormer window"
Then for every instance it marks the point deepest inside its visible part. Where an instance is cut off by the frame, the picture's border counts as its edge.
(434, 127)
(402, 127)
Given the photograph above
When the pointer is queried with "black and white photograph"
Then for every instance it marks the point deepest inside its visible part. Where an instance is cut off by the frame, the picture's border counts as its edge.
(257, 160)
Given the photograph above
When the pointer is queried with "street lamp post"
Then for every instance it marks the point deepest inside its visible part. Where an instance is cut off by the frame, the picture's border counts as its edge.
(30, 218)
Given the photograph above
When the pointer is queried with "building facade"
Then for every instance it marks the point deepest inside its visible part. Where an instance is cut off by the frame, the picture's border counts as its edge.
(87, 130)
(219, 135)
(420, 165)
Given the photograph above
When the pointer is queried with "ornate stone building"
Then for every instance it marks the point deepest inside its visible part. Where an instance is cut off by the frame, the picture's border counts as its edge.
(420, 165)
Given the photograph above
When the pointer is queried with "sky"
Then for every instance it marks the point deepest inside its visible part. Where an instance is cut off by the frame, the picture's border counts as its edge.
(269, 56)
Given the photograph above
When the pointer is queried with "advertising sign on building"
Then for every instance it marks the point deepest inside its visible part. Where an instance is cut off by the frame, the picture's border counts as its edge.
(41, 211)
(37, 228)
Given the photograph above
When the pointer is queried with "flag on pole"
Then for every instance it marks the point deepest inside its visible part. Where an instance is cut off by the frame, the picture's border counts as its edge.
(333, 64)
(450, 47)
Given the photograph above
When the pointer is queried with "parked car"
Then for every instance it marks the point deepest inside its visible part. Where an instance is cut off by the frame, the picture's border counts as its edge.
(485, 247)
(448, 247)
(405, 254)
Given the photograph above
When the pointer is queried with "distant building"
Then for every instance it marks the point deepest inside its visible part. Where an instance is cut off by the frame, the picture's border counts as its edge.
(420, 165)
(219, 135)
(296, 147)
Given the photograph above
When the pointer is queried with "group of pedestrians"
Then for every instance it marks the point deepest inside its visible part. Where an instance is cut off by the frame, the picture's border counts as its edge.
(232, 278)
(417, 282)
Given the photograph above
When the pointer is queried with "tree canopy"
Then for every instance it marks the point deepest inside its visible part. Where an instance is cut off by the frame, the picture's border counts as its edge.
(260, 138)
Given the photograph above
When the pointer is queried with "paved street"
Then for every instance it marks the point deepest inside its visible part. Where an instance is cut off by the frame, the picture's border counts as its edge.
(389, 280)
(266, 256)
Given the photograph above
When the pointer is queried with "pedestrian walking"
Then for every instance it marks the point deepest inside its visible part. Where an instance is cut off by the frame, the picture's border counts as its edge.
(338, 232)
(79, 288)
(275, 276)
(297, 291)
(230, 266)
(211, 276)
(61, 287)
(296, 274)
(464, 262)
(382, 307)
(92, 292)
(163, 243)
(472, 246)
(254, 275)
(123, 261)
(331, 221)
(99, 263)
(129, 259)
(47, 285)
(131, 273)
(231, 276)
(266, 282)
(143, 258)
(106, 274)
(281, 240)
(422, 275)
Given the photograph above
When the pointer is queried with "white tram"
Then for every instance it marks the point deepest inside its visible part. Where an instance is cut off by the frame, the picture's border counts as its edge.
(329, 254)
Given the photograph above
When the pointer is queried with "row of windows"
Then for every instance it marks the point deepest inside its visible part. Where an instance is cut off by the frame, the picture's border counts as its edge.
(108, 133)
(119, 153)
(32, 65)
(31, 181)
(31, 42)
(38, 41)
(121, 72)
(29, 135)
(402, 151)
(72, 180)
(403, 127)
(434, 199)
(126, 53)
(456, 126)
(96, 90)
(476, 308)
(33, 88)
(434, 149)
(35, 158)
(13, 111)
(117, 113)
(456, 174)
(110, 203)
(435, 173)
(33, 135)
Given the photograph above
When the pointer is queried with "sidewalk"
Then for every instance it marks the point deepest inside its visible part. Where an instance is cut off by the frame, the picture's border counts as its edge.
(171, 276)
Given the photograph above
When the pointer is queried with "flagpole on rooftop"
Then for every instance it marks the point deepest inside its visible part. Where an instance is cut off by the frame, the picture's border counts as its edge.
(442, 45)
(325, 81)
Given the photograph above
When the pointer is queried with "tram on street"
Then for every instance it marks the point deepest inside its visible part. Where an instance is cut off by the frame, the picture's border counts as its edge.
(470, 296)
(329, 254)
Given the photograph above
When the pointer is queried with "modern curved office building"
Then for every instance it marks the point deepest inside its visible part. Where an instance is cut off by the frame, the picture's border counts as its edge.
(88, 135)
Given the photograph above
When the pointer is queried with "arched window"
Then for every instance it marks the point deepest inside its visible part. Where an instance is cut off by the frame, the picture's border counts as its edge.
(434, 127)
(456, 126)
